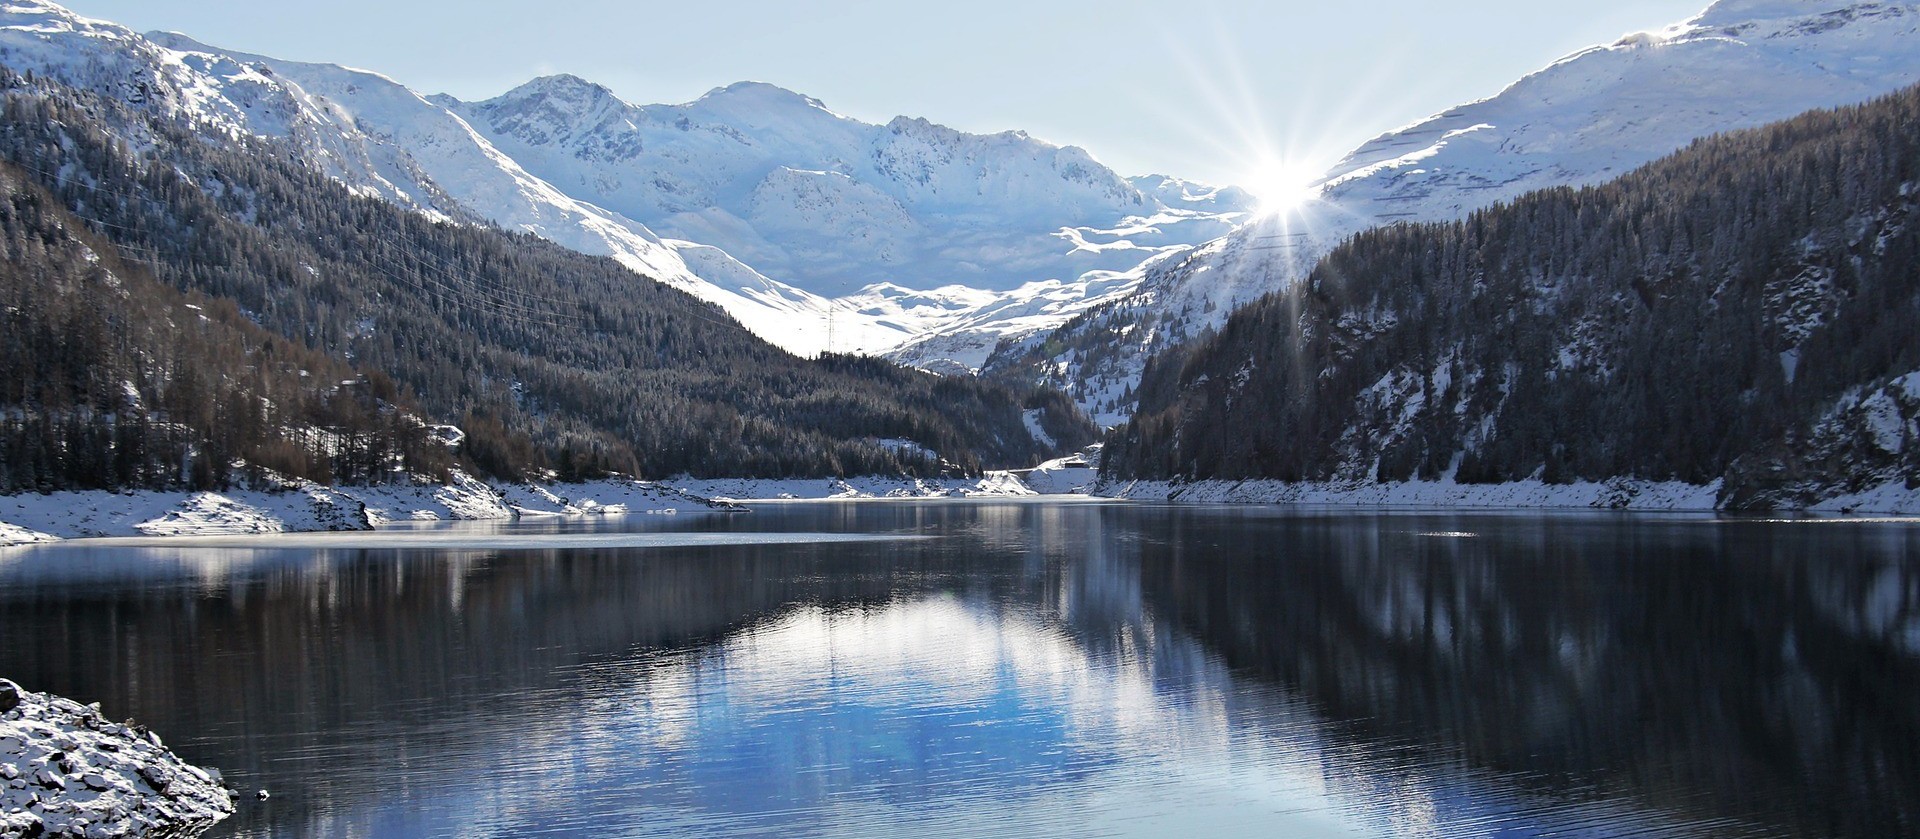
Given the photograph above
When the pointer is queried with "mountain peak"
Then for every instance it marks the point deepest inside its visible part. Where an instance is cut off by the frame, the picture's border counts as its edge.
(559, 86)
(562, 82)
(42, 17)
(758, 94)
(35, 7)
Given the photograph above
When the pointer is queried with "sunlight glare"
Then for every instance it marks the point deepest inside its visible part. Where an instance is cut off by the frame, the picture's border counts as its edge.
(1280, 139)
(1281, 184)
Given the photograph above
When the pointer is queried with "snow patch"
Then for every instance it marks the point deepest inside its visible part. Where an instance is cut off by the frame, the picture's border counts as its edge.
(608, 497)
(12, 534)
(1039, 433)
(1071, 475)
(1893, 497)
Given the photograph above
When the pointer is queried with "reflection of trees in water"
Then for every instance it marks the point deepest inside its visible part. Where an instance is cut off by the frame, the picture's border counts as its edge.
(1770, 669)
(386, 658)
(1099, 595)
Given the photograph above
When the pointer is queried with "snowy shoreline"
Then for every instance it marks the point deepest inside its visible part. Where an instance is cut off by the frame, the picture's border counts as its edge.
(1892, 498)
(31, 518)
(67, 770)
(990, 485)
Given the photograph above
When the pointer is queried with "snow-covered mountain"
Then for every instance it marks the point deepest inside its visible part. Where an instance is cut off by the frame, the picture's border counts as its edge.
(933, 245)
(905, 224)
(381, 139)
(803, 224)
(1584, 119)
(830, 203)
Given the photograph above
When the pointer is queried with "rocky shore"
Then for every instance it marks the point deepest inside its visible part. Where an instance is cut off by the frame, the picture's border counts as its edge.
(66, 770)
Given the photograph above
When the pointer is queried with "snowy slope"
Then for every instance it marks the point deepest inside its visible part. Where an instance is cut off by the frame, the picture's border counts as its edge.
(1582, 120)
(835, 205)
(362, 128)
(449, 158)
(930, 240)
(384, 140)
(814, 230)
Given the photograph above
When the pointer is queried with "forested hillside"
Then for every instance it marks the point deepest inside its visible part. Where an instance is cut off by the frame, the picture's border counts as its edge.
(546, 357)
(1743, 310)
(1583, 120)
(114, 380)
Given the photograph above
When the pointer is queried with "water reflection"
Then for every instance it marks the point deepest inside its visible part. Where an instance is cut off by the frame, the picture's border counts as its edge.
(1030, 669)
(1756, 670)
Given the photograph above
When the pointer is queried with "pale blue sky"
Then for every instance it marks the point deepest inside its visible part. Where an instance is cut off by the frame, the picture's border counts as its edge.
(1195, 88)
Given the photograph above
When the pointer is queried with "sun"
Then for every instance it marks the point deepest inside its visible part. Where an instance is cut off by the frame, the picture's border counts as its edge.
(1281, 184)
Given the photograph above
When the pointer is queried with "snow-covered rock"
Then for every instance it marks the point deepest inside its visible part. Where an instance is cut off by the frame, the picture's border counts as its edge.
(13, 534)
(609, 497)
(65, 770)
(1584, 119)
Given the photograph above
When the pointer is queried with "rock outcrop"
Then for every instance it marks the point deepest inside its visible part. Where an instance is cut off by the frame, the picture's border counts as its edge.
(66, 770)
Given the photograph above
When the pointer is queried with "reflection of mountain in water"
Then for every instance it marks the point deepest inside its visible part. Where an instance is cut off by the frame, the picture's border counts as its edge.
(1743, 670)
(1038, 669)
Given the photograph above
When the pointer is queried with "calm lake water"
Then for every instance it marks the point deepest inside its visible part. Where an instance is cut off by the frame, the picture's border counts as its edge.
(1017, 669)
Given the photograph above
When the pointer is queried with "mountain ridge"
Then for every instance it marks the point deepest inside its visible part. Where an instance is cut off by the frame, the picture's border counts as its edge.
(375, 134)
(693, 170)
(1582, 119)
(546, 358)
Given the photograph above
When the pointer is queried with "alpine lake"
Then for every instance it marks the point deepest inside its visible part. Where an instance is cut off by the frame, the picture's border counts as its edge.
(1055, 668)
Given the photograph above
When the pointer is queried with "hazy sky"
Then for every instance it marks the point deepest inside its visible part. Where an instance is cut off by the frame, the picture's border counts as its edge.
(1194, 88)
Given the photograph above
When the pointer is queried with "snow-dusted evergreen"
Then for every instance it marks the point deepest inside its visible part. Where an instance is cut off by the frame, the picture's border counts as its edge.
(1584, 119)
